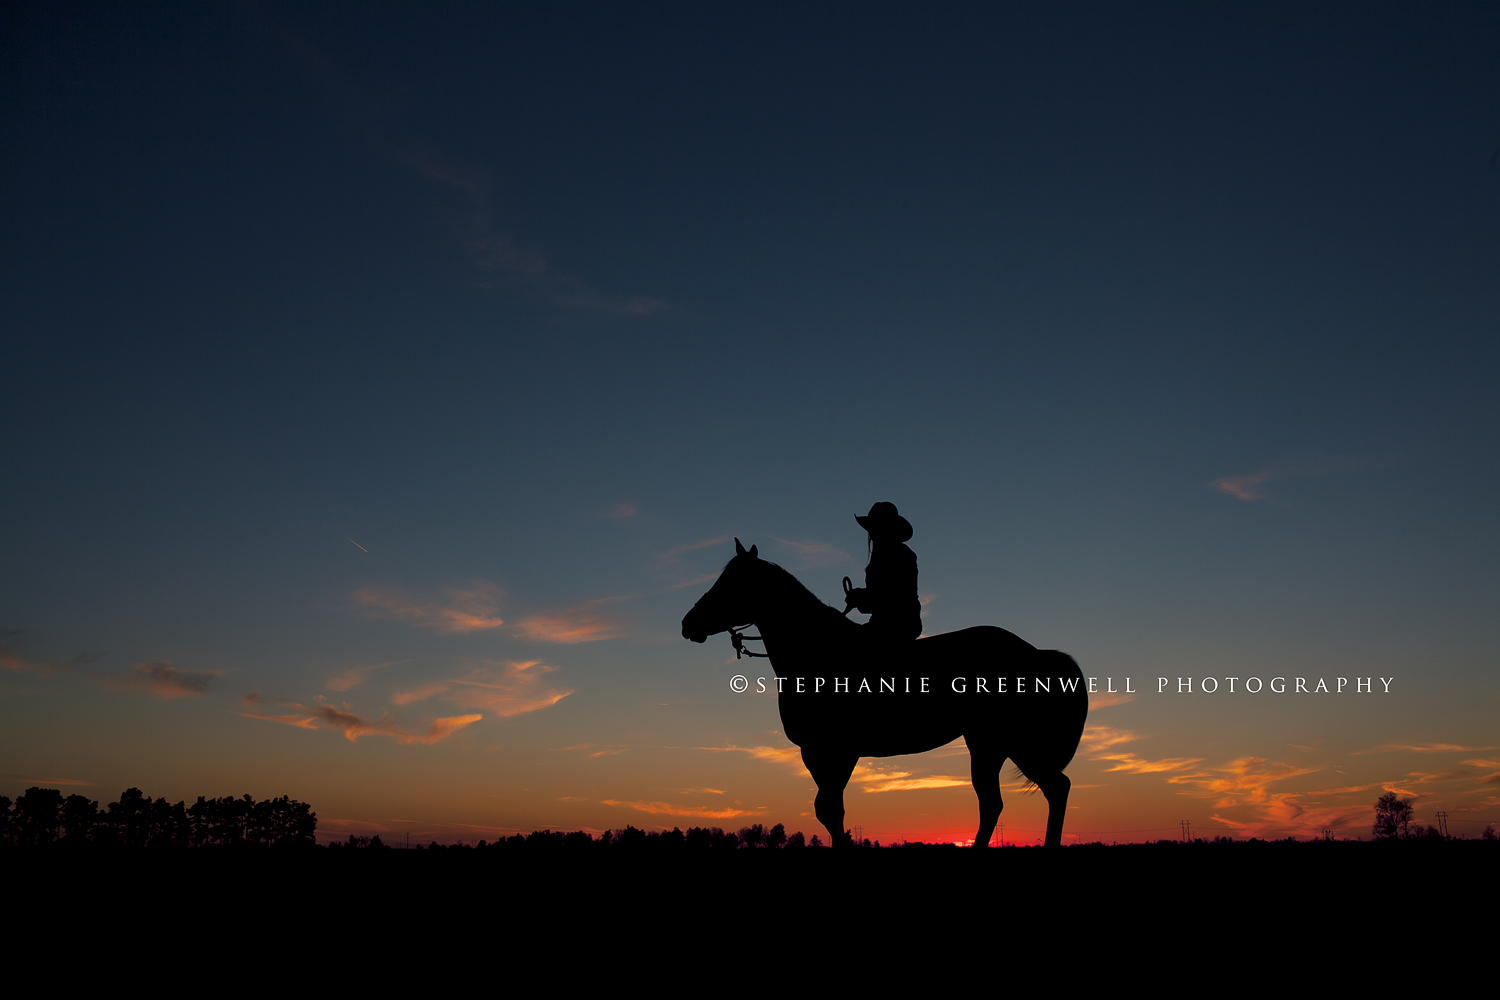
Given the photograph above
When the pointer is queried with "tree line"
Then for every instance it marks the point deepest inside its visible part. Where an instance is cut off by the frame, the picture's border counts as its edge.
(697, 838)
(42, 817)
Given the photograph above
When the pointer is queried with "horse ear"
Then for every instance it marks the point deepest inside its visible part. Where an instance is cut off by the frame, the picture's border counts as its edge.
(752, 551)
(739, 549)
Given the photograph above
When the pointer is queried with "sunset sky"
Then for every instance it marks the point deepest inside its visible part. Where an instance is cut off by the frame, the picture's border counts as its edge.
(384, 382)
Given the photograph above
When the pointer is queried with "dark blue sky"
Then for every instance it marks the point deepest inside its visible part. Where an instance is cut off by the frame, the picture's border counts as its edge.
(467, 284)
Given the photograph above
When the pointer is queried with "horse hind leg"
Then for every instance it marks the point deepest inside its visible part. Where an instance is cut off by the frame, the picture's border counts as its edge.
(984, 771)
(1055, 786)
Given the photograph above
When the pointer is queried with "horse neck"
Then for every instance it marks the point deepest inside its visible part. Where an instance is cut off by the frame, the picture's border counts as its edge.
(790, 613)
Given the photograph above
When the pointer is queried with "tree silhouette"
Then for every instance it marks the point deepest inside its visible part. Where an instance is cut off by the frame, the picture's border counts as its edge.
(79, 817)
(38, 816)
(1392, 817)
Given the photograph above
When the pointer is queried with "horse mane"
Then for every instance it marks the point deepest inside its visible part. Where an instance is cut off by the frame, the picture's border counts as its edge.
(797, 590)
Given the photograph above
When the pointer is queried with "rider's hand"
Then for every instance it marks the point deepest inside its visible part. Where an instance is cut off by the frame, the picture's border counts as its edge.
(855, 600)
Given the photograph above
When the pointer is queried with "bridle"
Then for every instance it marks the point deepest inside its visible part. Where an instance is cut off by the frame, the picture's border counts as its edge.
(738, 637)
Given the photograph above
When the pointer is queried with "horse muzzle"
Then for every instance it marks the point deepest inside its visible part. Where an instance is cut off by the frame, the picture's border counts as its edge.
(694, 633)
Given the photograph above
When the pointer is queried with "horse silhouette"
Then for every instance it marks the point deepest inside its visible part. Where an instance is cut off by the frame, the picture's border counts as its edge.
(844, 695)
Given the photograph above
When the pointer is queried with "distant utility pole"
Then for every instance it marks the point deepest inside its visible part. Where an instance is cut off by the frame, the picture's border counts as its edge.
(1187, 831)
(1328, 835)
(1442, 818)
(1002, 834)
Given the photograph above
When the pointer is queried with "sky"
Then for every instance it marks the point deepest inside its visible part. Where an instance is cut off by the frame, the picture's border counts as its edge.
(384, 382)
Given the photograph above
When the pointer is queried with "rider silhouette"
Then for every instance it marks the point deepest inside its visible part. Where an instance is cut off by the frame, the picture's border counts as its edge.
(889, 595)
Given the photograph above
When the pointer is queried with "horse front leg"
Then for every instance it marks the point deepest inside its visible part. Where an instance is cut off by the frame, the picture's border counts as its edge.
(984, 771)
(831, 771)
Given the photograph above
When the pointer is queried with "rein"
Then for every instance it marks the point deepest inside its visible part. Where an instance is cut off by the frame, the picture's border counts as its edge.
(738, 638)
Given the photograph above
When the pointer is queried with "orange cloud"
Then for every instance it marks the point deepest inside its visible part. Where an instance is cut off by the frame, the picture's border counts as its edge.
(1423, 748)
(787, 756)
(506, 688)
(897, 783)
(422, 693)
(875, 777)
(1100, 743)
(667, 809)
(1097, 739)
(326, 716)
(467, 610)
(355, 676)
(1246, 779)
(31, 779)
(1131, 764)
(574, 625)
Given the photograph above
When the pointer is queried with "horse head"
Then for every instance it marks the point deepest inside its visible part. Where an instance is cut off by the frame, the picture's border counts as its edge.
(728, 602)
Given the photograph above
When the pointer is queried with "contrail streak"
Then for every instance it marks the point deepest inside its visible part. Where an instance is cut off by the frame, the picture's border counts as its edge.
(357, 545)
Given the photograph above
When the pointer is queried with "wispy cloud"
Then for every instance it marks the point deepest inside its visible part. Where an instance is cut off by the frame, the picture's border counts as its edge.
(667, 809)
(507, 688)
(1247, 487)
(355, 676)
(900, 782)
(1104, 742)
(1246, 779)
(876, 776)
(1252, 485)
(493, 254)
(420, 693)
(12, 656)
(622, 509)
(677, 552)
(166, 681)
(1422, 748)
(696, 581)
(322, 715)
(812, 553)
(46, 782)
(583, 623)
(503, 687)
(786, 756)
(472, 609)
(1492, 766)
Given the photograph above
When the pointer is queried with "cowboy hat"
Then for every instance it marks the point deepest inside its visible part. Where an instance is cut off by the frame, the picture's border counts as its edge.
(884, 521)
